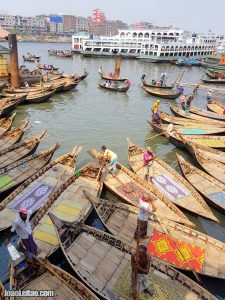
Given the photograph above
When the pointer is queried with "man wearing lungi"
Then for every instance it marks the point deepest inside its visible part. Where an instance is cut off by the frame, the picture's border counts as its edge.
(140, 265)
(146, 206)
(23, 229)
(148, 164)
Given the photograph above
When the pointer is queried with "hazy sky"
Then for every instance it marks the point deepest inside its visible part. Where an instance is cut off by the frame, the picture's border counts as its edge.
(198, 15)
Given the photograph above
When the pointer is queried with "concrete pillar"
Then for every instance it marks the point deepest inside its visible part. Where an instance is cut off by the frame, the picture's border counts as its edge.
(117, 67)
(14, 63)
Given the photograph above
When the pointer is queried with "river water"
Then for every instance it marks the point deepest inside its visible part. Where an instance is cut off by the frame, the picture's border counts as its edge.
(90, 117)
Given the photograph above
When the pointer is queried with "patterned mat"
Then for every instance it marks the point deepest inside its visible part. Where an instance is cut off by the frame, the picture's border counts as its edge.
(163, 246)
(167, 185)
(32, 198)
(164, 288)
(218, 198)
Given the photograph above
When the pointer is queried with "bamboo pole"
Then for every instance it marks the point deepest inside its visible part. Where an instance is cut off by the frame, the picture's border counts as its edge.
(117, 68)
(152, 137)
(135, 283)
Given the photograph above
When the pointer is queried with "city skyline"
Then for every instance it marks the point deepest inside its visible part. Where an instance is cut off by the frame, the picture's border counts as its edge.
(193, 16)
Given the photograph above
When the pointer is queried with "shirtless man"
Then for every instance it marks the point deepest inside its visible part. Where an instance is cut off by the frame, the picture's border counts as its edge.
(140, 270)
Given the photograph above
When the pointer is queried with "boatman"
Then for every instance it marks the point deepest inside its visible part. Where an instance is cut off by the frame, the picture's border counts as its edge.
(143, 77)
(209, 97)
(110, 157)
(155, 107)
(23, 229)
(140, 265)
(146, 206)
(148, 159)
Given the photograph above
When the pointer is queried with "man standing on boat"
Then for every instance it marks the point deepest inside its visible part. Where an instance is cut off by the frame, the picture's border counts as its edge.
(140, 265)
(143, 77)
(146, 206)
(110, 157)
(155, 107)
(23, 229)
(148, 159)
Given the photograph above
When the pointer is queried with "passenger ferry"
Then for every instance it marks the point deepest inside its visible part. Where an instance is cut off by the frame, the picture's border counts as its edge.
(155, 45)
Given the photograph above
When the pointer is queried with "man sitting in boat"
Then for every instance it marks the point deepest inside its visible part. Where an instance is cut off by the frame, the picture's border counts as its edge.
(148, 159)
(110, 157)
(115, 84)
(156, 119)
(209, 97)
(23, 229)
(155, 107)
(153, 82)
(140, 270)
(170, 130)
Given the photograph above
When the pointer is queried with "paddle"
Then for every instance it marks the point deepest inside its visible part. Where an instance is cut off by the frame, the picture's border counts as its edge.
(152, 137)
(135, 283)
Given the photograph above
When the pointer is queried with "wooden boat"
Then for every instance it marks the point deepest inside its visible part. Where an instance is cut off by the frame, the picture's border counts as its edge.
(82, 76)
(162, 93)
(213, 74)
(20, 150)
(214, 81)
(39, 98)
(207, 114)
(216, 106)
(181, 113)
(189, 129)
(28, 90)
(69, 203)
(212, 189)
(69, 85)
(111, 77)
(165, 118)
(39, 187)
(13, 136)
(179, 140)
(121, 220)
(180, 192)
(123, 88)
(31, 58)
(47, 67)
(5, 124)
(61, 53)
(208, 152)
(145, 83)
(129, 187)
(211, 166)
(16, 173)
(7, 106)
(51, 279)
(216, 67)
(20, 97)
(104, 264)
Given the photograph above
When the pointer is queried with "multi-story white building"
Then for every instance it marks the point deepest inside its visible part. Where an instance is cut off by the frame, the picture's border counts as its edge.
(56, 24)
(23, 24)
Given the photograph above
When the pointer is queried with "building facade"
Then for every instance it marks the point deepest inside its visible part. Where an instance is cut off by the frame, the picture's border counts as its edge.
(69, 23)
(56, 24)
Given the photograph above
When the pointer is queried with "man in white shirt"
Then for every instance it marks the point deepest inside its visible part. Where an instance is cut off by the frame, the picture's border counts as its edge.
(146, 206)
(23, 229)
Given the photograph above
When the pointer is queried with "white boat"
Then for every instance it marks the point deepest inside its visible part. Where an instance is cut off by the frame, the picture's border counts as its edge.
(155, 45)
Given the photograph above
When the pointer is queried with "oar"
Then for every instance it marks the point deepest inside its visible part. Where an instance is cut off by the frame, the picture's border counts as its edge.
(135, 283)
(152, 137)
(180, 78)
(166, 230)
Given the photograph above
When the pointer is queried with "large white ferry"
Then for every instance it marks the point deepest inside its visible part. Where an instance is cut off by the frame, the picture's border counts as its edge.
(155, 45)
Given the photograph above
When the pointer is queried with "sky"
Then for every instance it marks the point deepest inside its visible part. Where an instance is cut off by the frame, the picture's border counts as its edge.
(194, 15)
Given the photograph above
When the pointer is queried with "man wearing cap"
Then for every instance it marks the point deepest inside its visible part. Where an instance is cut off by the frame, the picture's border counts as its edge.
(148, 164)
(156, 107)
(146, 206)
(23, 229)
